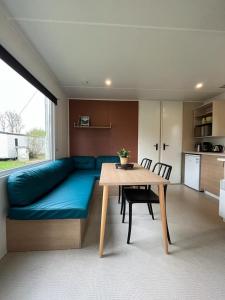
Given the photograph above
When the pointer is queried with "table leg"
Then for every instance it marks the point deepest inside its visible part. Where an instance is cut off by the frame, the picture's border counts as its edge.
(105, 200)
(163, 216)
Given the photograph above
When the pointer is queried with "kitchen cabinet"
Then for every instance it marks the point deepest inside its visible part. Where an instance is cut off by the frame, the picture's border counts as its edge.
(160, 134)
(212, 172)
(218, 126)
(209, 120)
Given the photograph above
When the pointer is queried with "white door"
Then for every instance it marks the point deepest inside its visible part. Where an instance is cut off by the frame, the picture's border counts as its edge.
(149, 130)
(171, 137)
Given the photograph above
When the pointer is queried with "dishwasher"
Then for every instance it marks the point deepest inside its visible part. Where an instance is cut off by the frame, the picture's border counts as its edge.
(192, 171)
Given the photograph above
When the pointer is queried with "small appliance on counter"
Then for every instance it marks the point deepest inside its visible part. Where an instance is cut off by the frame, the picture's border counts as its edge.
(198, 147)
(207, 147)
(217, 148)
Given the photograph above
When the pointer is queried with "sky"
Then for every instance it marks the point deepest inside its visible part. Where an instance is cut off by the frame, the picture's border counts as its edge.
(18, 95)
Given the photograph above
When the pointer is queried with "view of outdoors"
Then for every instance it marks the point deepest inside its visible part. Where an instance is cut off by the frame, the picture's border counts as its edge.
(24, 121)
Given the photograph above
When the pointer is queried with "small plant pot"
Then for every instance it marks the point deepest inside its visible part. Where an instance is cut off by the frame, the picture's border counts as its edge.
(123, 160)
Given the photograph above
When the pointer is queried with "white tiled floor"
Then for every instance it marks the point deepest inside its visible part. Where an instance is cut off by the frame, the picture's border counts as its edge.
(195, 268)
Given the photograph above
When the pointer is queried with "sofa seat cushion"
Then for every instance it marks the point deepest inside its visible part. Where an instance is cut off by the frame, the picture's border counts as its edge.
(94, 173)
(26, 186)
(106, 159)
(69, 200)
(83, 162)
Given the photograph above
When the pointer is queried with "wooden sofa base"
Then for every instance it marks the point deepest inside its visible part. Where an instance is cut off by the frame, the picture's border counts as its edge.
(31, 235)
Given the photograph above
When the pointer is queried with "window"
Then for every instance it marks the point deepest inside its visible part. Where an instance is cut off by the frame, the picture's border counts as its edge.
(25, 121)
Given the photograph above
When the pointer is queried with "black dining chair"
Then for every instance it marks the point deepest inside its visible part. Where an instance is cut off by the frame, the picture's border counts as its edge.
(145, 163)
(145, 196)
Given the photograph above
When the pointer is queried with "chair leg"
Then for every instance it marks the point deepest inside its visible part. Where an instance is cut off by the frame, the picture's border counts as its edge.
(168, 233)
(119, 194)
(150, 210)
(122, 200)
(130, 223)
(124, 209)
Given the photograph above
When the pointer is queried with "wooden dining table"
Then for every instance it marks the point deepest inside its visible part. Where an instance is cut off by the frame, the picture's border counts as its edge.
(111, 176)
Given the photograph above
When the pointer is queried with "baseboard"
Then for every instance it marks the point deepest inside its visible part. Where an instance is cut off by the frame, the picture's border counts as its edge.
(212, 195)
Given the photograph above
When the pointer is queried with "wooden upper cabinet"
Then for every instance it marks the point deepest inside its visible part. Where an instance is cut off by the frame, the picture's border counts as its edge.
(218, 126)
(209, 120)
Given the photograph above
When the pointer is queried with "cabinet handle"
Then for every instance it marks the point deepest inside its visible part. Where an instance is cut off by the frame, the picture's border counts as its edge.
(156, 147)
(164, 146)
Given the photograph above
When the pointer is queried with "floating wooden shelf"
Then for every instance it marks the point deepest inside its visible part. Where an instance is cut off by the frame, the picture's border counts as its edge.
(203, 124)
(94, 126)
(202, 137)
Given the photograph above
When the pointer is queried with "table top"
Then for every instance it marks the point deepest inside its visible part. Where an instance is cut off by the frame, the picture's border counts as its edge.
(137, 176)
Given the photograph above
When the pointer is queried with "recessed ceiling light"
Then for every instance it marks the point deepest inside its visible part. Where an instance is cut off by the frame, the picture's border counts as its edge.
(199, 85)
(108, 82)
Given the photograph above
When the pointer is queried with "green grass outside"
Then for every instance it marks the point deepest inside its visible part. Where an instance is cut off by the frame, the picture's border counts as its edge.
(11, 164)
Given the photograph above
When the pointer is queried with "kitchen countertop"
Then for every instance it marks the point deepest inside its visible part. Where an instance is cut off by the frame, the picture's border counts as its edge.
(206, 153)
(221, 159)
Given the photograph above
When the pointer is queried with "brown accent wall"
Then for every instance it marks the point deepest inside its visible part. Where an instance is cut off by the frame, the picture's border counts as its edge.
(123, 115)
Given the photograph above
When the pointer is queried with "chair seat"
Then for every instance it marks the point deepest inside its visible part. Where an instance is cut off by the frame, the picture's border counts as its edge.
(140, 196)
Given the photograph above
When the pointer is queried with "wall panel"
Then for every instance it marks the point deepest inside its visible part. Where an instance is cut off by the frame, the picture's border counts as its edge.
(123, 115)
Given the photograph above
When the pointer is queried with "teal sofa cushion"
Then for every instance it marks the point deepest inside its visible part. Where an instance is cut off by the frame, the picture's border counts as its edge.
(94, 173)
(26, 186)
(106, 159)
(83, 162)
(69, 200)
(69, 164)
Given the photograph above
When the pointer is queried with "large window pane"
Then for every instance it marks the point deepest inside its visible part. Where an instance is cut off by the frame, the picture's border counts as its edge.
(25, 121)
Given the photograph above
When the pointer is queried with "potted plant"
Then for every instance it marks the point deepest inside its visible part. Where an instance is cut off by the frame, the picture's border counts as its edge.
(124, 155)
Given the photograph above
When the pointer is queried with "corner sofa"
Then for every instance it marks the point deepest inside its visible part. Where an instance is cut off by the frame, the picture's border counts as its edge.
(49, 203)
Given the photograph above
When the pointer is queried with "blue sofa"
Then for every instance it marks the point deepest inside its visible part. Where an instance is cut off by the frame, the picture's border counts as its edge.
(61, 189)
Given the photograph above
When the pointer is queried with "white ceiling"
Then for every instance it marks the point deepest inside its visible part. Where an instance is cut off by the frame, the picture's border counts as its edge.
(150, 49)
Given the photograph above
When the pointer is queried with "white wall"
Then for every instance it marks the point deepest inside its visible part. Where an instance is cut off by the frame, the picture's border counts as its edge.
(62, 129)
(12, 38)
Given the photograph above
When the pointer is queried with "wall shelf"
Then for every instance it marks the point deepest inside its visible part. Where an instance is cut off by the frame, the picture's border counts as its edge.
(200, 125)
(202, 137)
(208, 136)
(94, 126)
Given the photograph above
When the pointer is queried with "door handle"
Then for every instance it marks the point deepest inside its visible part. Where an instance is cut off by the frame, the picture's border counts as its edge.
(164, 146)
(156, 147)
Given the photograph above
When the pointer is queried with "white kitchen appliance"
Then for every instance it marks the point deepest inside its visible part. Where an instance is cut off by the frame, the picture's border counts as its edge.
(192, 171)
(222, 199)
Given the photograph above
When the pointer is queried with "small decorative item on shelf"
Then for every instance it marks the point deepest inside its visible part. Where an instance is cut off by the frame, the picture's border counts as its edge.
(84, 121)
(124, 155)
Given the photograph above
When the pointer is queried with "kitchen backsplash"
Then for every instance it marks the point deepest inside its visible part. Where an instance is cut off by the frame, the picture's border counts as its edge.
(215, 141)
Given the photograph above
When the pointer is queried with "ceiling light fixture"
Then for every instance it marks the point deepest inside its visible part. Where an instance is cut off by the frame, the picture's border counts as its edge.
(199, 85)
(108, 82)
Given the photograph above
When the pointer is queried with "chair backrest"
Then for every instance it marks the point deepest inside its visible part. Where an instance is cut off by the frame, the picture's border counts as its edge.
(146, 163)
(163, 170)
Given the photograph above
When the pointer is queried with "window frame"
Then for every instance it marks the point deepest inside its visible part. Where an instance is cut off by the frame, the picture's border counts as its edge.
(22, 71)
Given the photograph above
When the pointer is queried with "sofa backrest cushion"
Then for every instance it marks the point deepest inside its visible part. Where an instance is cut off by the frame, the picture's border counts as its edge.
(69, 164)
(106, 159)
(84, 162)
(26, 186)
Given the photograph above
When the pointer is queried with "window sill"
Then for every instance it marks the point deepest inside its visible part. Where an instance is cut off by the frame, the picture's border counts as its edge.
(6, 173)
